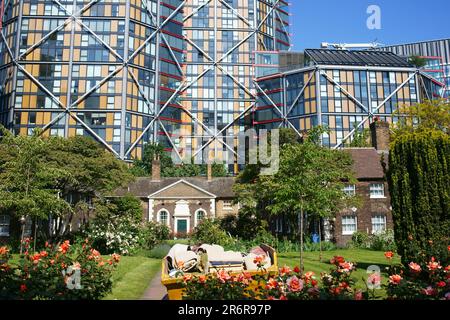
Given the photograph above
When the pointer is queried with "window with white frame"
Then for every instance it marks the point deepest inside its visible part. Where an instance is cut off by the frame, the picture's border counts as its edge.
(378, 223)
(227, 205)
(199, 216)
(377, 190)
(163, 217)
(350, 190)
(349, 225)
(4, 225)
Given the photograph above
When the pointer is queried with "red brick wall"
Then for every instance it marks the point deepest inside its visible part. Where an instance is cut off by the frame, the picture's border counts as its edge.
(370, 207)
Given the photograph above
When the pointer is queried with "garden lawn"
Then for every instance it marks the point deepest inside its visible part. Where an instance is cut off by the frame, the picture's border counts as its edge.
(362, 258)
(132, 277)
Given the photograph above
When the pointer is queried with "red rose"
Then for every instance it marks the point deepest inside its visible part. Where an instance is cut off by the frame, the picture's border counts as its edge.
(389, 255)
(441, 284)
(358, 295)
(285, 271)
(297, 270)
(337, 260)
(395, 279)
(23, 288)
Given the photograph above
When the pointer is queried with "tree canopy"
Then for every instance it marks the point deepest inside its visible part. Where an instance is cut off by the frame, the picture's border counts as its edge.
(419, 180)
(417, 61)
(143, 167)
(28, 183)
(311, 179)
(38, 173)
(425, 116)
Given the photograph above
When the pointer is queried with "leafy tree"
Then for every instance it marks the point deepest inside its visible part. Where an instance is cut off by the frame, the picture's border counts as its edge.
(39, 174)
(310, 180)
(360, 138)
(429, 115)
(28, 183)
(417, 61)
(419, 184)
(143, 167)
(92, 169)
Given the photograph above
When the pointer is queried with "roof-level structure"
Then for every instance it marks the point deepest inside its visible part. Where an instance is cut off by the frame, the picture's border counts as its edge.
(145, 186)
(366, 163)
(356, 58)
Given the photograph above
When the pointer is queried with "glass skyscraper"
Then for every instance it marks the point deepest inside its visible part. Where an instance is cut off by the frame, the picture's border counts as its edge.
(127, 72)
(339, 89)
(222, 37)
(436, 54)
(96, 68)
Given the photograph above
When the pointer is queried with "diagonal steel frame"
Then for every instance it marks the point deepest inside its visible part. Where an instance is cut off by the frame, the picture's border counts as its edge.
(170, 139)
(345, 92)
(57, 29)
(107, 78)
(215, 64)
(166, 42)
(313, 72)
(246, 89)
(352, 132)
(251, 33)
(182, 87)
(226, 128)
(196, 10)
(246, 21)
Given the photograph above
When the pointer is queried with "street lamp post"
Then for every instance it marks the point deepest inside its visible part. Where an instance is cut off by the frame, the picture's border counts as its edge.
(22, 221)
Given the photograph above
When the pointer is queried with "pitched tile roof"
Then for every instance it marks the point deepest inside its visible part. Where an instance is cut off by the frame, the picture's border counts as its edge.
(145, 186)
(366, 163)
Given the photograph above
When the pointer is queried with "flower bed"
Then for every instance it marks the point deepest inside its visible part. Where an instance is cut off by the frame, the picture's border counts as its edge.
(430, 281)
(427, 280)
(286, 285)
(62, 272)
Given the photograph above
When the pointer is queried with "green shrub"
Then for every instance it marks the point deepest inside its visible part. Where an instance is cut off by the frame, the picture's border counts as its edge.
(309, 246)
(383, 241)
(419, 179)
(209, 231)
(152, 233)
(361, 240)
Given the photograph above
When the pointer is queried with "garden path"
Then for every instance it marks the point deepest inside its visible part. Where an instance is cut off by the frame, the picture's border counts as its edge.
(155, 290)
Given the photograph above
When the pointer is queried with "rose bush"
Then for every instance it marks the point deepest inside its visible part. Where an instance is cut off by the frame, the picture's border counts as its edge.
(339, 284)
(291, 285)
(287, 285)
(427, 279)
(62, 272)
(219, 286)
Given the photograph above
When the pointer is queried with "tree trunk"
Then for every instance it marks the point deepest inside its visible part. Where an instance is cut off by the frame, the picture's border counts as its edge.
(320, 240)
(301, 240)
(35, 233)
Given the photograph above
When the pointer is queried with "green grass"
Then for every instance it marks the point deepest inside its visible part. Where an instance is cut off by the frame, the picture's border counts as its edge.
(132, 277)
(362, 258)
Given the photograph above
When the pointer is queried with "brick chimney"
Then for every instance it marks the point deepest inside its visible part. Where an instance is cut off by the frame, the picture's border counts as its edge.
(209, 171)
(156, 168)
(380, 135)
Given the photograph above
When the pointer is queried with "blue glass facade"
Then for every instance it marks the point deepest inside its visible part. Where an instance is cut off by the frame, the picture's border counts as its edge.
(340, 97)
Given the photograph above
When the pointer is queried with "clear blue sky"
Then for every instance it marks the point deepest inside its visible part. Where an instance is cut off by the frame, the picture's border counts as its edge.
(344, 21)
